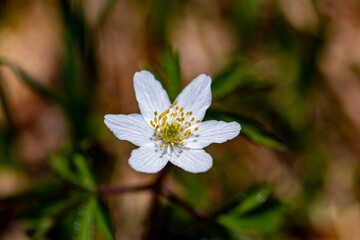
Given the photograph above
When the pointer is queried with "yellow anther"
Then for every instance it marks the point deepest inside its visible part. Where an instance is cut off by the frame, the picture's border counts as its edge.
(175, 114)
(192, 119)
(190, 113)
(152, 123)
(186, 123)
(167, 111)
(189, 124)
(182, 114)
(163, 123)
(181, 129)
(171, 106)
(155, 113)
(177, 108)
(181, 142)
(156, 138)
(175, 103)
(165, 145)
(155, 119)
(181, 109)
(161, 146)
(196, 129)
(198, 121)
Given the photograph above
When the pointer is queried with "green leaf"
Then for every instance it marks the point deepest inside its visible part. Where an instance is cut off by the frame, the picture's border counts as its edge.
(236, 75)
(253, 199)
(86, 176)
(84, 223)
(170, 64)
(43, 226)
(61, 166)
(265, 222)
(257, 211)
(103, 222)
(250, 128)
(32, 83)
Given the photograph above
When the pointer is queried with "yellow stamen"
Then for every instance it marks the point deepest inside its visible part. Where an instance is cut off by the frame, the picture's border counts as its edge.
(156, 138)
(155, 113)
(196, 129)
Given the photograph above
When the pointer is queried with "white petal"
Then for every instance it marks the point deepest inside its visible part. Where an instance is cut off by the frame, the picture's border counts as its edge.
(148, 159)
(191, 160)
(196, 96)
(132, 128)
(150, 95)
(212, 132)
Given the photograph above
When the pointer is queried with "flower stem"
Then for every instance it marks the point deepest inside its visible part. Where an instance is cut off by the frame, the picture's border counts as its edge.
(172, 197)
(124, 189)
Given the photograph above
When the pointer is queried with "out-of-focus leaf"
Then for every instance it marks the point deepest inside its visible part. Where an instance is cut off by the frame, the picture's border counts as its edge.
(43, 226)
(62, 168)
(170, 64)
(257, 211)
(44, 214)
(266, 222)
(84, 172)
(102, 221)
(236, 75)
(253, 199)
(32, 82)
(84, 223)
(194, 187)
(250, 128)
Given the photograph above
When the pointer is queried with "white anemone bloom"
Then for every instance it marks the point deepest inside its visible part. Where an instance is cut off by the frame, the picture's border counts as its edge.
(171, 132)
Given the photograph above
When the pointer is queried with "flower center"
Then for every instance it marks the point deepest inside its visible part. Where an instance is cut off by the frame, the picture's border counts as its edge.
(173, 126)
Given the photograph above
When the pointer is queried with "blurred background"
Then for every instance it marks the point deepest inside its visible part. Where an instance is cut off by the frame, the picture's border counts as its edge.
(287, 70)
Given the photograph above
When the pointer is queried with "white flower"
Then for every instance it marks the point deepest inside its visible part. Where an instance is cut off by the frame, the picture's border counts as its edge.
(171, 132)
